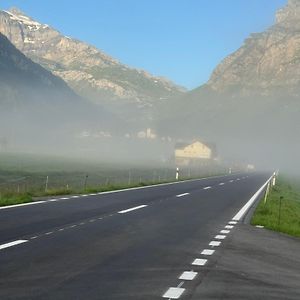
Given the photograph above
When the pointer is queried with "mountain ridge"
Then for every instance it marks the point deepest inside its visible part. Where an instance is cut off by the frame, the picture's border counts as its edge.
(89, 71)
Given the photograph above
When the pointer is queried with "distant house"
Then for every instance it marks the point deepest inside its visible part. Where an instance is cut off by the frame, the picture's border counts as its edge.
(195, 152)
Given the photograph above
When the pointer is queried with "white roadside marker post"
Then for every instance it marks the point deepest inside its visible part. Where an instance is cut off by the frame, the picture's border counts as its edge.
(267, 193)
(177, 173)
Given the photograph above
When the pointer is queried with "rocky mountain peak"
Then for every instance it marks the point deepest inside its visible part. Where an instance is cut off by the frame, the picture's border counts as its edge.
(289, 16)
(267, 63)
(90, 72)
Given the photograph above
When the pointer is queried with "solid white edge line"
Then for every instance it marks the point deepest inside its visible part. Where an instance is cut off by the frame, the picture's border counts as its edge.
(22, 204)
(11, 244)
(131, 209)
(245, 208)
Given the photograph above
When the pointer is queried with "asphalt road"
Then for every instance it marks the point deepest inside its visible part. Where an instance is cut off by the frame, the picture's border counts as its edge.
(142, 243)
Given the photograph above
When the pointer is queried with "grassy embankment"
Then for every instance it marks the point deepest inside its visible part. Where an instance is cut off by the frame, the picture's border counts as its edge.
(281, 212)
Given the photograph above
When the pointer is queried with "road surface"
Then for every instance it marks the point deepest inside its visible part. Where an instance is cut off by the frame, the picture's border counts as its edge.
(144, 243)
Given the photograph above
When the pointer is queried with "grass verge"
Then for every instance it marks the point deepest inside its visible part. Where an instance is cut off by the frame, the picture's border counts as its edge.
(19, 198)
(11, 199)
(281, 212)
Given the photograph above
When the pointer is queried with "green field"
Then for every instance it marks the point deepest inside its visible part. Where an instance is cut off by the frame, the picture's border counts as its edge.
(281, 212)
(24, 177)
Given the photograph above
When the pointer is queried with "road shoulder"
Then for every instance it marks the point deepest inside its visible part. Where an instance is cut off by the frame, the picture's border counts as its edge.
(254, 263)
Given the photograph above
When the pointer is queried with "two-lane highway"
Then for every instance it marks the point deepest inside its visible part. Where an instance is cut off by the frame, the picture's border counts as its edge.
(144, 243)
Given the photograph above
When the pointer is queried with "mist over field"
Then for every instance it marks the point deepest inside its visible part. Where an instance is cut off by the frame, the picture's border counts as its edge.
(95, 108)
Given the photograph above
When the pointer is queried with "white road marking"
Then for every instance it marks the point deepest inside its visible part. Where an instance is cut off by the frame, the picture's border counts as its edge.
(11, 244)
(232, 222)
(182, 195)
(238, 179)
(207, 252)
(114, 192)
(34, 237)
(225, 231)
(48, 233)
(100, 218)
(173, 293)
(72, 226)
(220, 237)
(188, 275)
(23, 204)
(245, 208)
(131, 209)
(222, 183)
(61, 229)
(91, 221)
(260, 226)
(229, 226)
(199, 262)
(207, 188)
(53, 200)
(65, 198)
(82, 223)
(231, 181)
(214, 243)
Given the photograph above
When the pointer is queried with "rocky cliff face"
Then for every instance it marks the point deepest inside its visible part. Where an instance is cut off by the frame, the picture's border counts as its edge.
(268, 62)
(35, 104)
(90, 72)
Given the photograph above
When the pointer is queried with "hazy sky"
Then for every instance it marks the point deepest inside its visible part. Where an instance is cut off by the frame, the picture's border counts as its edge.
(180, 39)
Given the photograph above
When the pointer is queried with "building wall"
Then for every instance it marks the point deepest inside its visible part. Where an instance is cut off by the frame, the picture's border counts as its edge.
(194, 150)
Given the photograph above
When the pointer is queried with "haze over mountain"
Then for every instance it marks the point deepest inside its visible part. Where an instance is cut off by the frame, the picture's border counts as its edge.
(128, 92)
(38, 107)
(251, 105)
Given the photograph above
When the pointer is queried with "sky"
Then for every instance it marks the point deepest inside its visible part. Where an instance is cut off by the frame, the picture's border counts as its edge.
(182, 40)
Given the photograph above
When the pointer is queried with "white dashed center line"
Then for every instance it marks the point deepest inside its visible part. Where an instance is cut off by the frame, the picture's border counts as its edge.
(182, 195)
(207, 188)
(222, 183)
(131, 209)
(224, 231)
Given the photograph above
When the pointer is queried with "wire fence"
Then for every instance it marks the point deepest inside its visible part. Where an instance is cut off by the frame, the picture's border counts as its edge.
(39, 183)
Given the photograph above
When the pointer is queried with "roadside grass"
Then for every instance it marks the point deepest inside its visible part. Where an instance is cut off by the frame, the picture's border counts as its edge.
(28, 177)
(11, 199)
(19, 198)
(284, 217)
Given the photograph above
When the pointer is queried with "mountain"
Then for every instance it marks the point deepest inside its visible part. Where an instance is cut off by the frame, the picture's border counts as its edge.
(268, 62)
(38, 108)
(128, 92)
(251, 104)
